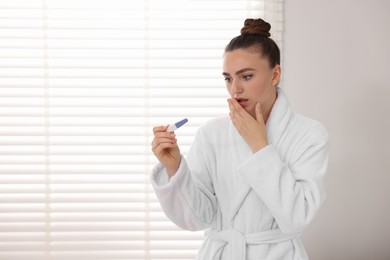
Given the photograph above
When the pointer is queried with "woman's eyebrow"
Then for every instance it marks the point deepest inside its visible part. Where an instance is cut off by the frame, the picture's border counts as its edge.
(239, 71)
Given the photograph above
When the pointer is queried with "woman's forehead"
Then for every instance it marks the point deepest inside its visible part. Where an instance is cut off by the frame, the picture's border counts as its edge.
(240, 58)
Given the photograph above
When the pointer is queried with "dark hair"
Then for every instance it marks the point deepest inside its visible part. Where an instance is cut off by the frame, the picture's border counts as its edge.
(255, 35)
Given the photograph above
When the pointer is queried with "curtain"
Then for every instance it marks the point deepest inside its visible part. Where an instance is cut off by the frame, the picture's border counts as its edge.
(82, 83)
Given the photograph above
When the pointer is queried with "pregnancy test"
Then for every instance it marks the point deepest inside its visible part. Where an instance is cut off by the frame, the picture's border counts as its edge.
(175, 126)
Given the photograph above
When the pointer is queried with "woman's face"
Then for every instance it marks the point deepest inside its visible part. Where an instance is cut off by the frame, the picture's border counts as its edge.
(250, 80)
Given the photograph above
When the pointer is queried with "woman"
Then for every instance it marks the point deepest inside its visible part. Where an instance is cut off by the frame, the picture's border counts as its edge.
(254, 178)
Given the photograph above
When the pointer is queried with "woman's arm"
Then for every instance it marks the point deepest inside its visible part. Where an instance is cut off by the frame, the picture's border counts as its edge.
(187, 198)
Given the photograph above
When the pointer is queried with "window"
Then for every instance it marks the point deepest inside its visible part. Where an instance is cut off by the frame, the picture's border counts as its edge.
(82, 82)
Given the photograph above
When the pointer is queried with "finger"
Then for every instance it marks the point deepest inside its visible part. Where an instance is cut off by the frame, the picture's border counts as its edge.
(162, 146)
(160, 128)
(157, 141)
(259, 115)
(234, 107)
(235, 116)
(157, 144)
(233, 104)
(164, 134)
(239, 109)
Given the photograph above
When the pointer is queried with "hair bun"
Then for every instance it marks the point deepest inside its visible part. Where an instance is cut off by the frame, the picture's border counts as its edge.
(256, 26)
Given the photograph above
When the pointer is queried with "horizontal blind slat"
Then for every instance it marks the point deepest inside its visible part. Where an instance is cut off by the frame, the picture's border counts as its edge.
(81, 85)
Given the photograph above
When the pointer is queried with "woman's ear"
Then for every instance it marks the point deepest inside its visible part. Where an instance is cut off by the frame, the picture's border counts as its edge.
(276, 75)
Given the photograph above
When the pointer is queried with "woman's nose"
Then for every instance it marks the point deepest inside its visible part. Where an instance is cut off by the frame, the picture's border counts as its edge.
(236, 88)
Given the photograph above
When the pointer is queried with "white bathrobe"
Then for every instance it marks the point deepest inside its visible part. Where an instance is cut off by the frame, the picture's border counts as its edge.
(254, 206)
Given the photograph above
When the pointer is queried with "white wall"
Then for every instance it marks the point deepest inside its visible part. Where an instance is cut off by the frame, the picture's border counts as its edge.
(337, 69)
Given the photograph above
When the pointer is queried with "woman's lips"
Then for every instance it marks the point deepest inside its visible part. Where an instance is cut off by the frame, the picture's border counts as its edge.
(242, 101)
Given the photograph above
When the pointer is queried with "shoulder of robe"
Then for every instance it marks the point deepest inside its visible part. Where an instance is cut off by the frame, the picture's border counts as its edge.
(309, 129)
(214, 127)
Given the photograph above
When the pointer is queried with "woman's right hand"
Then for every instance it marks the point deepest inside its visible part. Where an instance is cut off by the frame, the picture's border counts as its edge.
(165, 148)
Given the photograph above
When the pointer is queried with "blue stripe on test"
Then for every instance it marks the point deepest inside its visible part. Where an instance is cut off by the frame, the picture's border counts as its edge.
(181, 122)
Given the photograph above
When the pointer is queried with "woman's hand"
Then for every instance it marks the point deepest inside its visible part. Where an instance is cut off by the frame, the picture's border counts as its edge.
(165, 148)
(252, 130)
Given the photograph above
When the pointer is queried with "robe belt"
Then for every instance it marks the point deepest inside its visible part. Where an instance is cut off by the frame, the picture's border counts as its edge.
(237, 241)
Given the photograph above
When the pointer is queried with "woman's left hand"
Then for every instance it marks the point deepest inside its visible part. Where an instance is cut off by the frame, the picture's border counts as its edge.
(252, 130)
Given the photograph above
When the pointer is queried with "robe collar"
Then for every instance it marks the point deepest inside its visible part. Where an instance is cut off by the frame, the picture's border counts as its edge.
(279, 117)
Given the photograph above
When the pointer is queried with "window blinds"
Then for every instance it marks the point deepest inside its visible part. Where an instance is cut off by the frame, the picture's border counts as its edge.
(82, 83)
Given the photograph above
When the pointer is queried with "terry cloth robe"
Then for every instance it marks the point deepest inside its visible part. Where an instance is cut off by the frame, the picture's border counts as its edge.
(253, 205)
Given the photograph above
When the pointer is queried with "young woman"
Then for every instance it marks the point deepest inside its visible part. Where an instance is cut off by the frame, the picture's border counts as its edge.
(254, 178)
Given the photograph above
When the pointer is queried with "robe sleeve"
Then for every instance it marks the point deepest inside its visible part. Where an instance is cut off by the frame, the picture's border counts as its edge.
(188, 198)
(293, 191)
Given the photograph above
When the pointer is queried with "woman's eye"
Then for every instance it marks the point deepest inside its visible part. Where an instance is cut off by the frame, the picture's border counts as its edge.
(227, 79)
(247, 77)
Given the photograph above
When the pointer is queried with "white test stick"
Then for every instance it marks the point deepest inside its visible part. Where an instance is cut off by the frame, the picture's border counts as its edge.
(176, 125)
